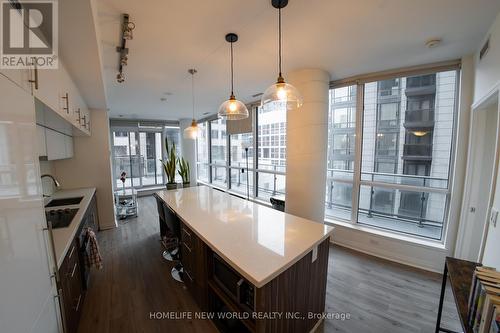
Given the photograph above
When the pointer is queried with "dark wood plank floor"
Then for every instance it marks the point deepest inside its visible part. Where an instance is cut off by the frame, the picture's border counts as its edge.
(379, 296)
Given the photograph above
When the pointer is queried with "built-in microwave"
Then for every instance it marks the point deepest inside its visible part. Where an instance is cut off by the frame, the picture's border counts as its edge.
(233, 284)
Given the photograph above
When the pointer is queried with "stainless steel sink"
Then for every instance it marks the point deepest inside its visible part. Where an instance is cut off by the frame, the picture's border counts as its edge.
(64, 202)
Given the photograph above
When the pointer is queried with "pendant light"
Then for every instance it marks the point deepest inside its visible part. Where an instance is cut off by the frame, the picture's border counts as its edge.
(232, 109)
(191, 132)
(281, 91)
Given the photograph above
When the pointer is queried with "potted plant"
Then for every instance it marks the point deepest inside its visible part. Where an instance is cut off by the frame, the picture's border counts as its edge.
(184, 171)
(170, 165)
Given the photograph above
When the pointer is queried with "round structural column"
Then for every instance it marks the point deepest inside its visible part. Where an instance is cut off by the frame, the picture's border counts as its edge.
(307, 141)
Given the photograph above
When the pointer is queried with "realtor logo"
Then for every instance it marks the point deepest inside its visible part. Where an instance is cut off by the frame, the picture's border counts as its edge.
(29, 34)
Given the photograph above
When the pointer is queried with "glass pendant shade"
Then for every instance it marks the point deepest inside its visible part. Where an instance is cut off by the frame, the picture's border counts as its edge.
(192, 131)
(283, 94)
(232, 109)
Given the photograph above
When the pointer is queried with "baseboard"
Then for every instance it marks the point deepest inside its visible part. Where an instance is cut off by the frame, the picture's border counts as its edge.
(407, 254)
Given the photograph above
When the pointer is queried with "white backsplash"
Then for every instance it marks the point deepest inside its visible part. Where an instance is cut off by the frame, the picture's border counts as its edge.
(47, 183)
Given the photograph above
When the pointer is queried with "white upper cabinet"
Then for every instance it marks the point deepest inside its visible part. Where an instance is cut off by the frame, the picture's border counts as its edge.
(48, 87)
(54, 133)
(56, 89)
(24, 78)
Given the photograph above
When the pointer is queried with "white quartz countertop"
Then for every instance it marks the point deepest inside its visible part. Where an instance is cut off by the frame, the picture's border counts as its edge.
(257, 241)
(64, 236)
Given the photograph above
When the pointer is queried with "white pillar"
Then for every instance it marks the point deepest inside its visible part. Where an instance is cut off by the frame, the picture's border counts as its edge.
(188, 149)
(307, 138)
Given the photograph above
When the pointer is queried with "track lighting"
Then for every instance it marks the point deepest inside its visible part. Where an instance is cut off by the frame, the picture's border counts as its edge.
(127, 27)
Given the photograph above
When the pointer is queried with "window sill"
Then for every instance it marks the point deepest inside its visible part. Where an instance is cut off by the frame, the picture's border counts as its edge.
(437, 245)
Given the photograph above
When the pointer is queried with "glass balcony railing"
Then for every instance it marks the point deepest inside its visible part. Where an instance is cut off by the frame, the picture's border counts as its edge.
(417, 151)
(419, 118)
(404, 203)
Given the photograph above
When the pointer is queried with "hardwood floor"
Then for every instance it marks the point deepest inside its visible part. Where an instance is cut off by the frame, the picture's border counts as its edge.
(135, 282)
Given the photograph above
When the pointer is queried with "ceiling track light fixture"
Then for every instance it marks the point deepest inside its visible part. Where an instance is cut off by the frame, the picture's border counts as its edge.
(232, 109)
(281, 92)
(126, 34)
(192, 131)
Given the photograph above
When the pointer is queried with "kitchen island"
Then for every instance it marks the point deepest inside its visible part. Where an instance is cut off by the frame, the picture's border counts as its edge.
(241, 257)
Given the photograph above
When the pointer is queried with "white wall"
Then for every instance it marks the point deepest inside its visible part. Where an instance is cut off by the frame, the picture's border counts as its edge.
(91, 167)
(486, 77)
(492, 247)
(488, 69)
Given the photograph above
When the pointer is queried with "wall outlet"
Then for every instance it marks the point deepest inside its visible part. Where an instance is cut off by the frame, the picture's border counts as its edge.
(493, 217)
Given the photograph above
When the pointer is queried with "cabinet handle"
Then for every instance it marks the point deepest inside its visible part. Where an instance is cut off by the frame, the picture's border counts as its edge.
(84, 120)
(78, 303)
(187, 247)
(78, 112)
(188, 275)
(71, 253)
(35, 73)
(73, 271)
(188, 233)
(66, 97)
(61, 305)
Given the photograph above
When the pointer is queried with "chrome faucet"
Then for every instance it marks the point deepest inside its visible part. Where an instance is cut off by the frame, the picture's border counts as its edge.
(56, 183)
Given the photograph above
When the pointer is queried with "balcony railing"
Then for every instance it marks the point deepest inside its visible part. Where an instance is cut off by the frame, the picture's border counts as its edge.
(420, 189)
(418, 151)
(389, 93)
(419, 118)
(270, 180)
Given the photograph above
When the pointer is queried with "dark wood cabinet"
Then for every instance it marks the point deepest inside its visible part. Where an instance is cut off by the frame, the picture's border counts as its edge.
(193, 252)
(290, 292)
(73, 293)
(73, 274)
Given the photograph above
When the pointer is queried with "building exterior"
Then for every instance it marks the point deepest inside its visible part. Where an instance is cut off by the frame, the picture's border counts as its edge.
(407, 140)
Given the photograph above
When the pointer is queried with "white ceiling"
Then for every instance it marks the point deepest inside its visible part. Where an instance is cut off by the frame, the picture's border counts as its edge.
(345, 37)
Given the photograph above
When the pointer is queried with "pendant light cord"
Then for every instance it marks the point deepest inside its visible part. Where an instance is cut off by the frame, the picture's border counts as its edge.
(192, 92)
(232, 80)
(279, 41)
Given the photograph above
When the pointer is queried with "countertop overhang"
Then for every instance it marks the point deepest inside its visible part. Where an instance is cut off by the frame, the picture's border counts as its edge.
(257, 241)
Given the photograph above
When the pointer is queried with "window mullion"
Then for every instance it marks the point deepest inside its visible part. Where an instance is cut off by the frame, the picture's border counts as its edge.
(228, 157)
(209, 146)
(255, 150)
(357, 151)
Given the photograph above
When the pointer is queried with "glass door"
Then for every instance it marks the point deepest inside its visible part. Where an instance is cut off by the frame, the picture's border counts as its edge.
(138, 154)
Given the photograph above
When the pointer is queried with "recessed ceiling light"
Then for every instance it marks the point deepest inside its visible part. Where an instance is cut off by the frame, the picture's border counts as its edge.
(433, 42)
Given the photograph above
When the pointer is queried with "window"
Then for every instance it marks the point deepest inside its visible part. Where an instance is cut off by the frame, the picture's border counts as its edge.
(202, 161)
(241, 147)
(139, 153)
(271, 162)
(405, 156)
(222, 160)
(218, 145)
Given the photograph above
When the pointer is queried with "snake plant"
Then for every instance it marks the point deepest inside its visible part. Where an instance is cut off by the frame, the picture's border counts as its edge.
(184, 170)
(170, 164)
